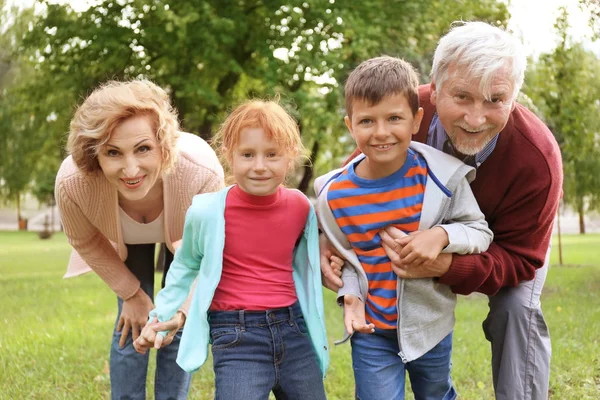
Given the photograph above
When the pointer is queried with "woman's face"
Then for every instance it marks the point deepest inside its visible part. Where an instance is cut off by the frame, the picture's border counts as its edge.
(131, 160)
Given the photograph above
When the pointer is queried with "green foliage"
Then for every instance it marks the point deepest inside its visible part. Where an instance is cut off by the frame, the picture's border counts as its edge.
(56, 333)
(211, 55)
(565, 85)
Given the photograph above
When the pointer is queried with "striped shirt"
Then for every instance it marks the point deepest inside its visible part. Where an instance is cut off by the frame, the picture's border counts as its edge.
(362, 207)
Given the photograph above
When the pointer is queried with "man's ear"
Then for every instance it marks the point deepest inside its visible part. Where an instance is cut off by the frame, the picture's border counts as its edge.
(433, 93)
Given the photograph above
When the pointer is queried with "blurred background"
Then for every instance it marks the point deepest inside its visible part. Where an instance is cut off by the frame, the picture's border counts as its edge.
(212, 54)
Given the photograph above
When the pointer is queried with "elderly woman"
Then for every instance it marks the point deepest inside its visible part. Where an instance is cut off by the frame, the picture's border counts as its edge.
(126, 186)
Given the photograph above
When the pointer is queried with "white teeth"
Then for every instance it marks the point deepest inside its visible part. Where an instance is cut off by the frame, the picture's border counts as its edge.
(133, 182)
(384, 146)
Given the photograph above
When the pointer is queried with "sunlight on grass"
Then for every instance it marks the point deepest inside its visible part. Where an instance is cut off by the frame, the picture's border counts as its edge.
(56, 333)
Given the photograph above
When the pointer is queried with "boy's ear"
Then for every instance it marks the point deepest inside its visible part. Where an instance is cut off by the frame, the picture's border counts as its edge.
(348, 124)
(417, 120)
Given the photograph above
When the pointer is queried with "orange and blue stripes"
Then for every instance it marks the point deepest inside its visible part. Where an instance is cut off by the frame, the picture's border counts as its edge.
(362, 207)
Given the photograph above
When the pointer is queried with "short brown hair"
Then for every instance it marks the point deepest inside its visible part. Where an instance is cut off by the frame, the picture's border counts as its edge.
(379, 77)
(108, 106)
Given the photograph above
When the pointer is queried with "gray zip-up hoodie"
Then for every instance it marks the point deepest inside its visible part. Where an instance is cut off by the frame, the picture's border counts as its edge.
(425, 307)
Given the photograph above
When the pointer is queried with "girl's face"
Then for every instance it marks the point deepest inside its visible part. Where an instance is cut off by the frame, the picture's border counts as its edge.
(259, 165)
(131, 160)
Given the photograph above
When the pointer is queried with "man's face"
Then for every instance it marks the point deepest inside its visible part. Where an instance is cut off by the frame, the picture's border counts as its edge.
(470, 119)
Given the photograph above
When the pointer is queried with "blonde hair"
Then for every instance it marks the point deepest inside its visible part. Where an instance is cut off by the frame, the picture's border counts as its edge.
(108, 106)
(271, 117)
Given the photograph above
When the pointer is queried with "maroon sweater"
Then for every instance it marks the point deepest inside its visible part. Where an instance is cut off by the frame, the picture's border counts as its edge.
(518, 188)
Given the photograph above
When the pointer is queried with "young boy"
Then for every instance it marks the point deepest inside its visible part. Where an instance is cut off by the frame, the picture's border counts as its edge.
(397, 325)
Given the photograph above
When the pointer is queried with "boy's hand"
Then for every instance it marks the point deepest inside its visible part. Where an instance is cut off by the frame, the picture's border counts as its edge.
(331, 270)
(421, 248)
(354, 316)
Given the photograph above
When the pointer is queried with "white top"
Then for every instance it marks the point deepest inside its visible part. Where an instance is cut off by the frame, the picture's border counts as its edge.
(137, 233)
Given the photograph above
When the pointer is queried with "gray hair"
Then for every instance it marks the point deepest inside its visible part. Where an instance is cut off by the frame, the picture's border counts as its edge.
(482, 49)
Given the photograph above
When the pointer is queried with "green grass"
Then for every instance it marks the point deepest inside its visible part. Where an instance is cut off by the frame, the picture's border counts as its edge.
(56, 333)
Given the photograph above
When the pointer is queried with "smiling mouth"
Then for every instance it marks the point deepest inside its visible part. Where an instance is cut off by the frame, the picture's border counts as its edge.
(383, 146)
(132, 183)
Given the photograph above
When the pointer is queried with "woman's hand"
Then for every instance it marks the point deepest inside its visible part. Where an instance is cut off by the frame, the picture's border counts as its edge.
(149, 337)
(134, 315)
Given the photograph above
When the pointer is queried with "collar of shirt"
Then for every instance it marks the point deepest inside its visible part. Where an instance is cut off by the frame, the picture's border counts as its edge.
(437, 137)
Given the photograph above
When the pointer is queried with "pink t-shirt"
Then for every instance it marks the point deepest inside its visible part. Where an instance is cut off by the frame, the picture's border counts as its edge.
(260, 235)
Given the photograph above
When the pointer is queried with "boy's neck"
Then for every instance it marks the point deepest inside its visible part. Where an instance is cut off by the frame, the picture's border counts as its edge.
(367, 169)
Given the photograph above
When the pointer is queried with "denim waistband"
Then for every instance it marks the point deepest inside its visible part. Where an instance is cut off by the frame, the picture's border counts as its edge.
(255, 318)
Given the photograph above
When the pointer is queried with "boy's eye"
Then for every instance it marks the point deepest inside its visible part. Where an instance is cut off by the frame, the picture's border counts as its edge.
(365, 121)
(395, 118)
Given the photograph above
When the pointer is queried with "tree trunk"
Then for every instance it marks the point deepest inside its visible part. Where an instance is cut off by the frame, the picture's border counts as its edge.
(581, 213)
(309, 169)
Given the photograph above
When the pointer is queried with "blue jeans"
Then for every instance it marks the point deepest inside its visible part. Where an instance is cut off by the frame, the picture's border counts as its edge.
(256, 352)
(379, 372)
(128, 369)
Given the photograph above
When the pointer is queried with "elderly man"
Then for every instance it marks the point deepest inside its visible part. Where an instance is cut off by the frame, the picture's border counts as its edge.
(471, 113)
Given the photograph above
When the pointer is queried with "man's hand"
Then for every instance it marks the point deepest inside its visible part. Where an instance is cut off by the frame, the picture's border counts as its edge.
(354, 316)
(331, 265)
(134, 316)
(435, 269)
(150, 338)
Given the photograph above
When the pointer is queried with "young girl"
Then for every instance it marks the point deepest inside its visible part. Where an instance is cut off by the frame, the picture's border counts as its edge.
(253, 248)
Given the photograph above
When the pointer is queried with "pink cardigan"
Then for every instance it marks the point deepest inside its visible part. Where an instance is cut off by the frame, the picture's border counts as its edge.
(89, 206)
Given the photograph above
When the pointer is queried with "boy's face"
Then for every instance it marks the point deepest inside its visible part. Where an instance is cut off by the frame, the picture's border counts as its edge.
(383, 132)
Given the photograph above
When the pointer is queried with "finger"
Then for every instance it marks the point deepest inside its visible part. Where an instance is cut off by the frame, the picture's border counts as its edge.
(336, 261)
(408, 258)
(336, 270)
(124, 334)
(400, 272)
(165, 326)
(363, 327)
(394, 232)
(135, 331)
(139, 348)
(158, 341)
(120, 323)
(348, 323)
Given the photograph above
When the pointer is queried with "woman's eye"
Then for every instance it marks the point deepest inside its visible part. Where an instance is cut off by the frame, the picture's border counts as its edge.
(112, 153)
(144, 149)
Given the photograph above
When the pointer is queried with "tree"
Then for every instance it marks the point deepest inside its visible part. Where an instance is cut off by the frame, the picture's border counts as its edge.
(212, 54)
(565, 84)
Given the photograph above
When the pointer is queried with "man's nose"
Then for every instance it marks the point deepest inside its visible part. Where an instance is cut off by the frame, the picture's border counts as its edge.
(475, 117)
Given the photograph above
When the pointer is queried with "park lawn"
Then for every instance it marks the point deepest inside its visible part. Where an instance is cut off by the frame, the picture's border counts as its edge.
(56, 333)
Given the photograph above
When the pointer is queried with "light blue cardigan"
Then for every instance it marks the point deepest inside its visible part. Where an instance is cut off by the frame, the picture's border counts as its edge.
(201, 256)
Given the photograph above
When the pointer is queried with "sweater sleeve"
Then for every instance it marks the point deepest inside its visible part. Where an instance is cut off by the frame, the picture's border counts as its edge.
(93, 247)
(182, 272)
(522, 232)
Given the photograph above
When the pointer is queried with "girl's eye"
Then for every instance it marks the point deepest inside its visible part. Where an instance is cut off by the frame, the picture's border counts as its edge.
(246, 155)
(112, 153)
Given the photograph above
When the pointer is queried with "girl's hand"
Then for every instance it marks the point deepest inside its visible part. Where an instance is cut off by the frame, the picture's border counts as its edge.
(354, 316)
(149, 337)
(134, 316)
